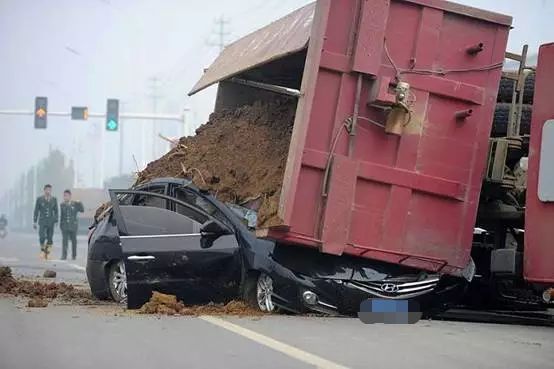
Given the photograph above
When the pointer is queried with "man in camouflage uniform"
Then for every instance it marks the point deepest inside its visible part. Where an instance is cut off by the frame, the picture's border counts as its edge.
(69, 223)
(46, 213)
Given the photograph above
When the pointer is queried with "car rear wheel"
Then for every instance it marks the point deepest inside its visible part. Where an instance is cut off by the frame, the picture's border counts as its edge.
(117, 280)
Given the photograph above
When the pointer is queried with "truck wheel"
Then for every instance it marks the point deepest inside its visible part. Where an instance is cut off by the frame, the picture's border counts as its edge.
(506, 88)
(502, 115)
(117, 281)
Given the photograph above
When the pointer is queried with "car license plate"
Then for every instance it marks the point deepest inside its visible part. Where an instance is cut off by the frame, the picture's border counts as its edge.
(389, 311)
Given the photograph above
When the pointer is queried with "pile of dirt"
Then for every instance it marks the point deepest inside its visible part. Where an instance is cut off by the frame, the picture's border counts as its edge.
(7, 281)
(238, 155)
(38, 290)
(163, 304)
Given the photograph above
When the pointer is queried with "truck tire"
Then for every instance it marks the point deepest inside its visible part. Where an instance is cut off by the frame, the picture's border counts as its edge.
(502, 115)
(506, 87)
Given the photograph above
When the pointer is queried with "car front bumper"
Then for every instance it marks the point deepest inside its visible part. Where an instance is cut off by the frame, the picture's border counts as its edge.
(343, 297)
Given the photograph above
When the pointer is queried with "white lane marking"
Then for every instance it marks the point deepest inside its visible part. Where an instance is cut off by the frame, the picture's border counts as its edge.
(8, 260)
(288, 350)
(78, 267)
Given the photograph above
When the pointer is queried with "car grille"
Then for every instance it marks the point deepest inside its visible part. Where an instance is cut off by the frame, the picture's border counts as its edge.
(396, 290)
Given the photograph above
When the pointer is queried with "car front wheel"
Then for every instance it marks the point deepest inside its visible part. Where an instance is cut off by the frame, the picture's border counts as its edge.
(258, 292)
(117, 280)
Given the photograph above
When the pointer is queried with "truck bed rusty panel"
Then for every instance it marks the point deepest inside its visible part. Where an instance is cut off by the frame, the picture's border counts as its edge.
(409, 198)
(539, 215)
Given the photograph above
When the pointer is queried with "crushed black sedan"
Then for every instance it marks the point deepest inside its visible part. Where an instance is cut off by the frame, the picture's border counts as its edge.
(185, 242)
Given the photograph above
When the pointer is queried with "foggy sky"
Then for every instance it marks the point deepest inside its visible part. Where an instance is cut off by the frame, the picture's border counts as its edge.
(81, 52)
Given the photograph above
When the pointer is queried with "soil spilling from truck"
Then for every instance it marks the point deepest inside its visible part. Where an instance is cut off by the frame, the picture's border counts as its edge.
(238, 155)
(162, 304)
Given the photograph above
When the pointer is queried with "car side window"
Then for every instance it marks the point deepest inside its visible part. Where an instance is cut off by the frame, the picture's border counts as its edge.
(125, 199)
(190, 213)
(147, 220)
(189, 197)
(152, 201)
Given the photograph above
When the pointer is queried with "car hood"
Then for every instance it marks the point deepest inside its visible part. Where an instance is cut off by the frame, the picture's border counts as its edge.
(313, 264)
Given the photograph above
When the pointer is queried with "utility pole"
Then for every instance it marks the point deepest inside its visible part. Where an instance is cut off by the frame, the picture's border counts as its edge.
(121, 140)
(221, 32)
(102, 157)
(155, 96)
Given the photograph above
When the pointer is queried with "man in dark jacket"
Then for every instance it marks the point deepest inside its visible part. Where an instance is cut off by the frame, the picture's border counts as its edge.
(46, 214)
(69, 224)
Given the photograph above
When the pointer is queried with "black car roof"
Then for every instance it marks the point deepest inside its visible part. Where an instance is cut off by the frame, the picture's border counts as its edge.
(170, 180)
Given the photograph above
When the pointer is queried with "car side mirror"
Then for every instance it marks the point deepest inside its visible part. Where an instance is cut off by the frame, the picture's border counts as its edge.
(214, 228)
(211, 231)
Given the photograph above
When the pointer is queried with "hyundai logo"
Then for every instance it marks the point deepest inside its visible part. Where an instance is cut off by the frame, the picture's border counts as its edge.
(389, 287)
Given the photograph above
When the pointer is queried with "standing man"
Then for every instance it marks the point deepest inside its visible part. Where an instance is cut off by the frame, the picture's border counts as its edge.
(46, 213)
(69, 223)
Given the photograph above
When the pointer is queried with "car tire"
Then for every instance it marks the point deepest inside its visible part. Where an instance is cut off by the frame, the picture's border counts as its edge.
(117, 281)
(257, 291)
(101, 294)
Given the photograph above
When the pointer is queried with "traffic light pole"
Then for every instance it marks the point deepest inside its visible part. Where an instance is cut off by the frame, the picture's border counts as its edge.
(139, 116)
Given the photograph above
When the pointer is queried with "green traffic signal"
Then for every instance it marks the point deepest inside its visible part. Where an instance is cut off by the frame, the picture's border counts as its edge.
(111, 125)
(112, 115)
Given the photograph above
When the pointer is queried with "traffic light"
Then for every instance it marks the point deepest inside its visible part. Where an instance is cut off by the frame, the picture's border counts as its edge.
(112, 115)
(79, 113)
(41, 112)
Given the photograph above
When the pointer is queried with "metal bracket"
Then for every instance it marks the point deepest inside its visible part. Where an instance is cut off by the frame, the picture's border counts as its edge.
(496, 166)
(516, 108)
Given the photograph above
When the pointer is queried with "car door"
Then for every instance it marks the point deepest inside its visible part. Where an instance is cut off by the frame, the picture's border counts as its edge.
(168, 251)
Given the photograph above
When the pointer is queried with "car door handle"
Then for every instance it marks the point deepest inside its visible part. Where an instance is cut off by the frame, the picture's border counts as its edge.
(141, 258)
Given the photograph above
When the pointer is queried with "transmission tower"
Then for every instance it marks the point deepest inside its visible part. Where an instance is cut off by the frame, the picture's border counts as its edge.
(220, 32)
(154, 96)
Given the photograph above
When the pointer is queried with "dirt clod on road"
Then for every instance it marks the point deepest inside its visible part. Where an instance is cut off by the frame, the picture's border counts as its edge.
(163, 304)
(49, 273)
(237, 155)
(37, 302)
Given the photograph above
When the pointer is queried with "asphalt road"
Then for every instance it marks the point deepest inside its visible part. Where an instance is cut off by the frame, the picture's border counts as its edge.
(21, 252)
(105, 337)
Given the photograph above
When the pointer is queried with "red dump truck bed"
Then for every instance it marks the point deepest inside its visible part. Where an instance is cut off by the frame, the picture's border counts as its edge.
(349, 187)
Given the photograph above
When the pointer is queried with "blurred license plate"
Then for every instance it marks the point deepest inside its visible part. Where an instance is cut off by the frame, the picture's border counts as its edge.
(389, 311)
(389, 306)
